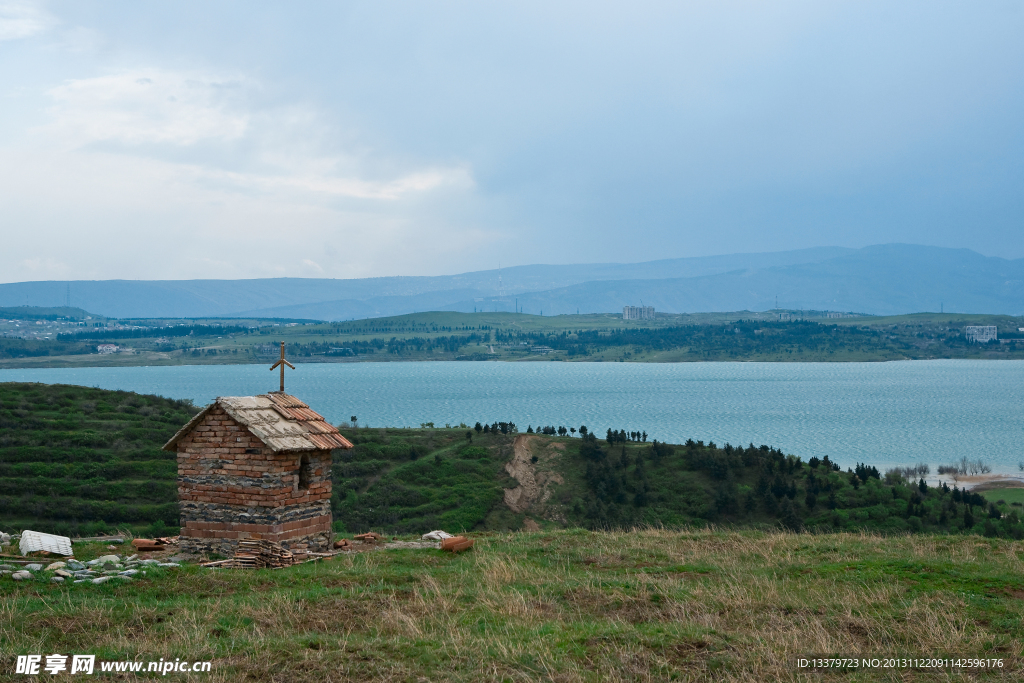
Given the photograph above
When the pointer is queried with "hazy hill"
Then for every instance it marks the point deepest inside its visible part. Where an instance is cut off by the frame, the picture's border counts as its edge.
(357, 298)
(885, 279)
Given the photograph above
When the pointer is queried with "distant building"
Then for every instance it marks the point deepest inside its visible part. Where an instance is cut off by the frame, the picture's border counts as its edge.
(106, 348)
(638, 312)
(980, 333)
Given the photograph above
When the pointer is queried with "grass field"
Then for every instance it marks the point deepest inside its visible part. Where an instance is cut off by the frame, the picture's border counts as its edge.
(649, 605)
(1010, 495)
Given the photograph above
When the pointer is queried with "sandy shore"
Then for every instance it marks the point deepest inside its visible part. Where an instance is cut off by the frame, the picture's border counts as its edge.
(986, 482)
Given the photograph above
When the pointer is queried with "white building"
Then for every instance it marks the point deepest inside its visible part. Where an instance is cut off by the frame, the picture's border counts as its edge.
(106, 348)
(638, 312)
(980, 333)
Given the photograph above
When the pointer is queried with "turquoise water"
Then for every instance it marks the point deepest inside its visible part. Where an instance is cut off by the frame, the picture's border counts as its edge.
(881, 413)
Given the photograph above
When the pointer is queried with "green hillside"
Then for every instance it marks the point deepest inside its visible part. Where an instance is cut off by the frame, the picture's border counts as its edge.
(416, 479)
(76, 460)
(79, 461)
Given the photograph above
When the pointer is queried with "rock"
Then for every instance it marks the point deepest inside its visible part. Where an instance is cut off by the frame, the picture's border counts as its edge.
(456, 544)
(4, 571)
(55, 566)
(64, 573)
(34, 567)
(129, 572)
(169, 564)
(150, 562)
(75, 564)
(107, 558)
(111, 572)
(133, 557)
(21, 576)
(7, 567)
(102, 579)
(81, 580)
(123, 578)
(57, 579)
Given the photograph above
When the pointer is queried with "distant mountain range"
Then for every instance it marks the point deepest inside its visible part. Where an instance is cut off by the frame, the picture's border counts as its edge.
(884, 279)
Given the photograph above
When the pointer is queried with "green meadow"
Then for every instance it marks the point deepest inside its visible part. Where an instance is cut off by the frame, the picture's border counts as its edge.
(572, 605)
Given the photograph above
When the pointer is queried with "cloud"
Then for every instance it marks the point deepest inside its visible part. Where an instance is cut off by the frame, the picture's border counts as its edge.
(160, 173)
(22, 19)
(149, 106)
(150, 112)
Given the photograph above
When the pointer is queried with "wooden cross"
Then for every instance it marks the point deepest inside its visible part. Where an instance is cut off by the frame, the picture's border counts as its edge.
(281, 363)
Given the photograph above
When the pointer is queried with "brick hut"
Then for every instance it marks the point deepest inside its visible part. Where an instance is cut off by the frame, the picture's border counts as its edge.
(255, 467)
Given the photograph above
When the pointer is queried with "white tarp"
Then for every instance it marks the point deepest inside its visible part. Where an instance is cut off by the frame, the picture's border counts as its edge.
(31, 541)
(436, 536)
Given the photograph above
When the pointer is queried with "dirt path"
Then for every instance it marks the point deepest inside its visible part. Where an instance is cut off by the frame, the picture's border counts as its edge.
(528, 492)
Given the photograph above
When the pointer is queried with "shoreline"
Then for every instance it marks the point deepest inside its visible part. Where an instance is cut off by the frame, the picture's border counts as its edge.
(985, 482)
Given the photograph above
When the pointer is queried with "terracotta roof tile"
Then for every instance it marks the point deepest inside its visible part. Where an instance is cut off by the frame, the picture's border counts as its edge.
(281, 421)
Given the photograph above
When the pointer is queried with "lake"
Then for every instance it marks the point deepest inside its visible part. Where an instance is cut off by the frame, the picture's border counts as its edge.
(881, 413)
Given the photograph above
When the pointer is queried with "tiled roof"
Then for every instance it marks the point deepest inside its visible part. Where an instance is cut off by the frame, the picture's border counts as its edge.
(281, 421)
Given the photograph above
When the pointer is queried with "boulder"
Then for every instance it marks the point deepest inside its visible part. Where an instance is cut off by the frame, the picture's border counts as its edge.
(21, 575)
(102, 579)
(55, 566)
(34, 567)
(57, 579)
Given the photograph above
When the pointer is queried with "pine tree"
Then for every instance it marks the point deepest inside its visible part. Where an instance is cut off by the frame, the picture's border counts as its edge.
(788, 516)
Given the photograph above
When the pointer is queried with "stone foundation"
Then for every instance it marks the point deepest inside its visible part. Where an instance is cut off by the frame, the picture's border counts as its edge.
(316, 542)
(221, 527)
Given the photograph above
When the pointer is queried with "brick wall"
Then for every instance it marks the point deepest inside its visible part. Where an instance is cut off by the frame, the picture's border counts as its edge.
(231, 486)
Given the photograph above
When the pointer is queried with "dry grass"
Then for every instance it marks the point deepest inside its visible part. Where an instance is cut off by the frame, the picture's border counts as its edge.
(561, 606)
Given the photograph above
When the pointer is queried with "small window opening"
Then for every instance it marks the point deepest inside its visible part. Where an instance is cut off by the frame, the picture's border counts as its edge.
(304, 472)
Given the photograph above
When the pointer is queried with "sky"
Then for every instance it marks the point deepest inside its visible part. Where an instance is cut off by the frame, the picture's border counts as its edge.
(340, 139)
